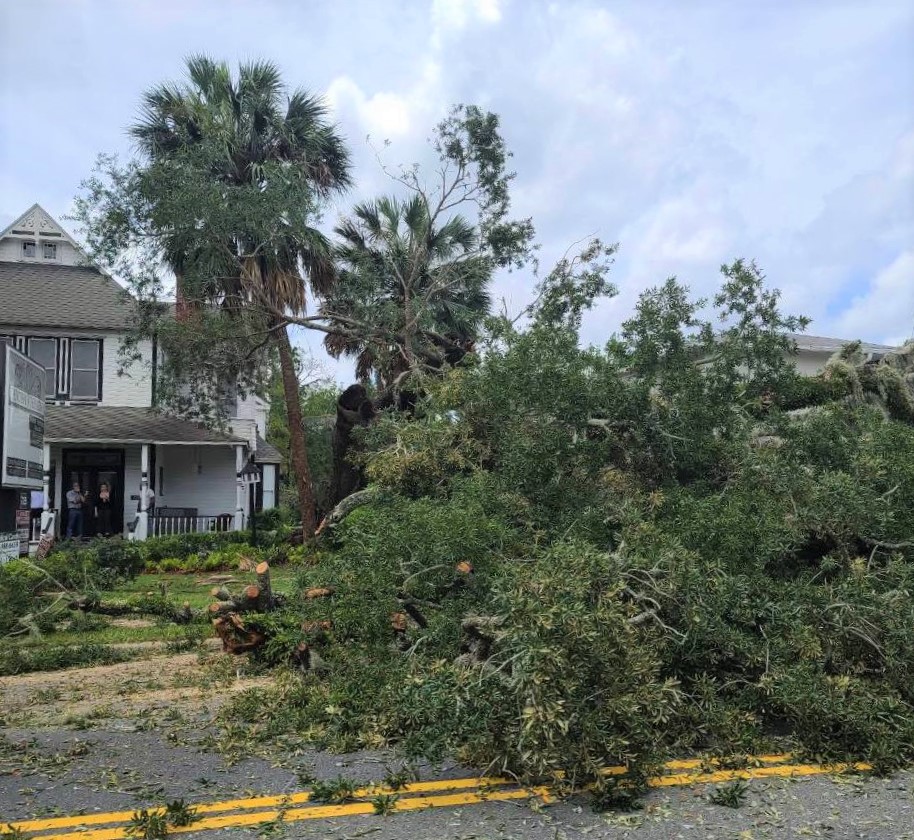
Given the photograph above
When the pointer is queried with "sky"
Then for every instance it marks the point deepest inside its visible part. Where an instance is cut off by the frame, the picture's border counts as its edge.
(691, 133)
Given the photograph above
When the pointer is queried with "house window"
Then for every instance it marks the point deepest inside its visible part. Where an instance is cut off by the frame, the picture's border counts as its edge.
(28, 249)
(50, 250)
(84, 365)
(44, 351)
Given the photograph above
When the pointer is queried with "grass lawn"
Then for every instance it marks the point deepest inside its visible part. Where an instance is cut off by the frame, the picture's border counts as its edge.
(193, 588)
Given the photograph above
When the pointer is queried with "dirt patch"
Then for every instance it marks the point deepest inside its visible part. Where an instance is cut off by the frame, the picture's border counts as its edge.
(132, 694)
(132, 623)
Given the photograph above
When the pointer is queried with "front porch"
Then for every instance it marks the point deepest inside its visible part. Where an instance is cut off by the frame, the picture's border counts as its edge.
(194, 475)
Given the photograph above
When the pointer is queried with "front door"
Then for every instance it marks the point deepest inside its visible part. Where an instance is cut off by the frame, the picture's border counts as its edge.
(92, 468)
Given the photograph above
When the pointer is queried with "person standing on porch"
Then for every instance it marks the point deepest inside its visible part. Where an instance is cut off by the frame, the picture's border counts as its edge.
(103, 511)
(75, 502)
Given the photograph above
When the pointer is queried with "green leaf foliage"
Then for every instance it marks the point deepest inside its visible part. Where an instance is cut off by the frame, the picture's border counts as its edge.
(666, 558)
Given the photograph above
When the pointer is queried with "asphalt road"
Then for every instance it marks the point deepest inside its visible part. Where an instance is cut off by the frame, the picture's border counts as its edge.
(48, 774)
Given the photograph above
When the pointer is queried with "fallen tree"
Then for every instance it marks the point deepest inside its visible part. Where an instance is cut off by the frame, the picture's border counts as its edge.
(228, 610)
(573, 559)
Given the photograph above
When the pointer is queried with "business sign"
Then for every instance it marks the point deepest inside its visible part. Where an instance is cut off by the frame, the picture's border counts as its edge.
(21, 421)
(9, 546)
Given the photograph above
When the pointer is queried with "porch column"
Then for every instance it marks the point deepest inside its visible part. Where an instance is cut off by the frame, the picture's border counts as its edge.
(240, 488)
(142, 525)
(46, 517)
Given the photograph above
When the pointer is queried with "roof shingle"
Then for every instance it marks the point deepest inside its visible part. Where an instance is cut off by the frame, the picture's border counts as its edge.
(39, 295)
(116, 424)
(822, 344)
(267, 453)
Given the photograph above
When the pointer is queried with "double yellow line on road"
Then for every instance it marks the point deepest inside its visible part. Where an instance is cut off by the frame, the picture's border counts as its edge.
(444, 793)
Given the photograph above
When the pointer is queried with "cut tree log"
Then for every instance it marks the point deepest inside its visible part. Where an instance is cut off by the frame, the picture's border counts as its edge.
(227, 611)
(222, 608)
(266, 600)
(236, 638)
(318, 592)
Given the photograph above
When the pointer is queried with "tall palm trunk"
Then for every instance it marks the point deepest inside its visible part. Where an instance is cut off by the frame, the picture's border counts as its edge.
(297, 445)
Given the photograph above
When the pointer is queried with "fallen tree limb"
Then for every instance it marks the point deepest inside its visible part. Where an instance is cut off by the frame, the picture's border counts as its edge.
(888, 546)
(346, 506)
(140, 607)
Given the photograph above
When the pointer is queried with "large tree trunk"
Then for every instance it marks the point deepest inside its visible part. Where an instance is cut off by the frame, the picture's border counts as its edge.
(297, 445)
(353, 408)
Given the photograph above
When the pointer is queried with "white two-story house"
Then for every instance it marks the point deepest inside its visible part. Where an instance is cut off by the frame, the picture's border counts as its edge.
(102, 424)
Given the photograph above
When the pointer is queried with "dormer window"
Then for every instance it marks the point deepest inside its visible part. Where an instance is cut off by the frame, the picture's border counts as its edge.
(28, 249)
(50, 250)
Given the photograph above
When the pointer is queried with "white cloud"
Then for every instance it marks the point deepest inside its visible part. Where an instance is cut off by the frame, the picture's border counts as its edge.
(886, 310)
(455, 15)
(690, 133)
(383, 114)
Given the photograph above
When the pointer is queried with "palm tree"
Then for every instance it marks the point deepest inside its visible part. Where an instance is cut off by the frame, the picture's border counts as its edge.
(423, 288)
(258, 137)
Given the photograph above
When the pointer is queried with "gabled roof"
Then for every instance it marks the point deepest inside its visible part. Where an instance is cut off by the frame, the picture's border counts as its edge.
(35, 222)
(267, 453)
(822, 344)
(55, 294)
(116, 424)
(43, 295)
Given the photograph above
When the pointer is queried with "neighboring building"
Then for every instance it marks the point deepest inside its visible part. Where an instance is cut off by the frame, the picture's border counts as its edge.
(814, 351)
(101, 424)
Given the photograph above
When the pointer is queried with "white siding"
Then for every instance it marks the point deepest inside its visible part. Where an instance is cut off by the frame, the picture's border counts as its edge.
(254, 408)
(11, 251)
(244, 429)
(809, 363)
(202, 477)
(134, 387)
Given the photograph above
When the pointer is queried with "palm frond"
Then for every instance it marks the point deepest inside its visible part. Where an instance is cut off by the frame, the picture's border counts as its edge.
(260, 81)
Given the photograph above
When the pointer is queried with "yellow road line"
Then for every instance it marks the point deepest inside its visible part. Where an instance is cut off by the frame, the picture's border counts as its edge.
(262, 802)
(787, 770)
(315, 812)
(690, 764)
(482, 789)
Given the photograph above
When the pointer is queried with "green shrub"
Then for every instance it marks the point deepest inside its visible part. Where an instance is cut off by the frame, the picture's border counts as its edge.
(225, 557)
(21, 585)
(184, 545)
(17, 660)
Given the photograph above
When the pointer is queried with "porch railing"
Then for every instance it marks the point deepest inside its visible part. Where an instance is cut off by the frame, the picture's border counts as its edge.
(166, 524)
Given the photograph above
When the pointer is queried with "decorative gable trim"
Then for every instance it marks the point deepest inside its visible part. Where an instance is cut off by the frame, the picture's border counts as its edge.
(36, 223)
